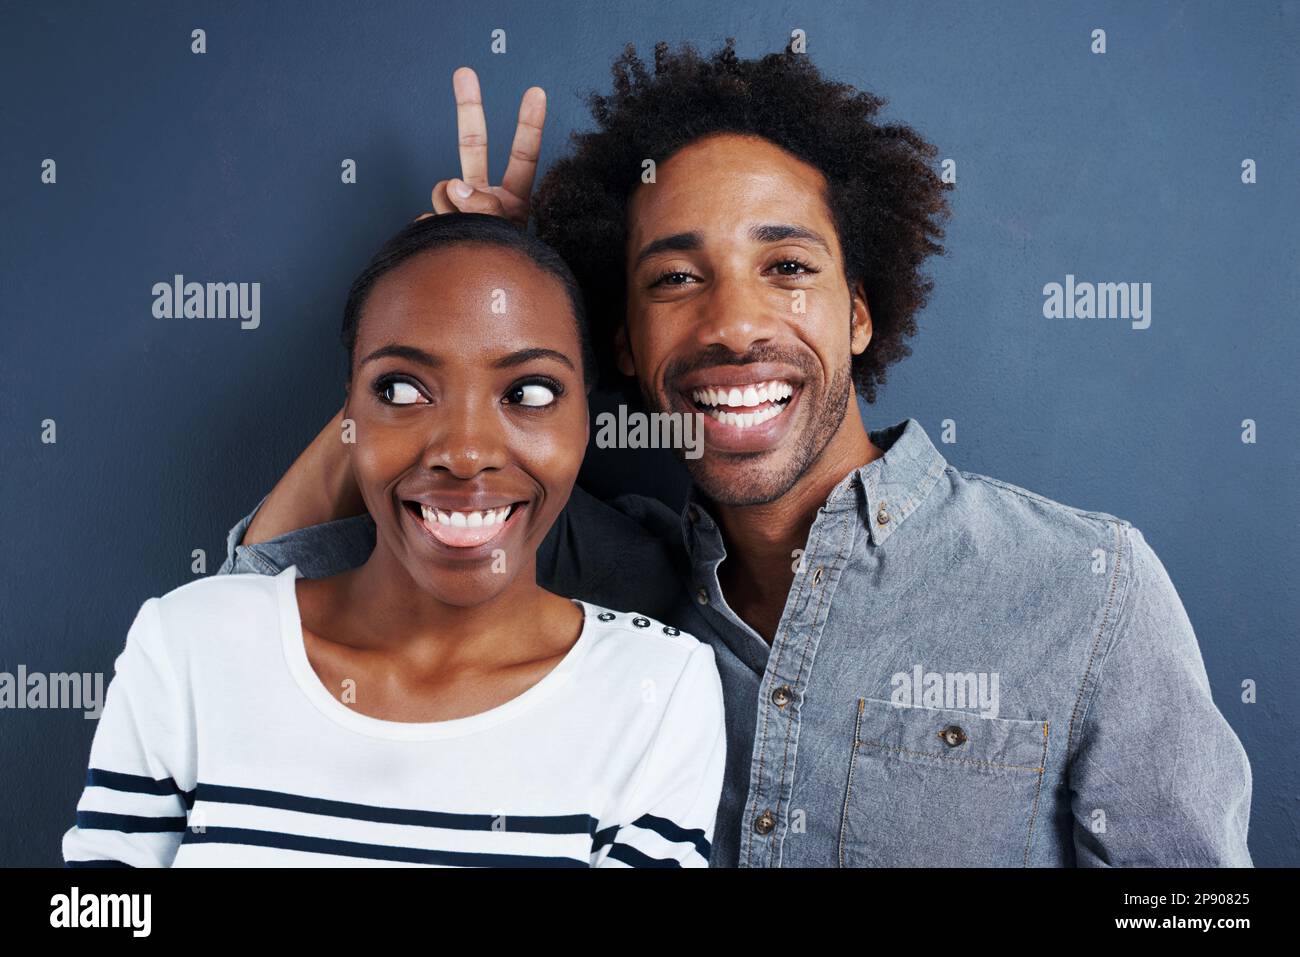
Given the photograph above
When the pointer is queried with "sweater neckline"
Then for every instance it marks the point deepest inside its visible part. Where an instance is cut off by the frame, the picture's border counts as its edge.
(295, 654)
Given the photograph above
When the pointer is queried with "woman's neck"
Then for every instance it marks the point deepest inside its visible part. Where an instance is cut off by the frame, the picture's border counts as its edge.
(380, 607)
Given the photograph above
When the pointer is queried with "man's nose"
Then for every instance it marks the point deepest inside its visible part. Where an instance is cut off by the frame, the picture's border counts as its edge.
(468, 437)
(739, 312)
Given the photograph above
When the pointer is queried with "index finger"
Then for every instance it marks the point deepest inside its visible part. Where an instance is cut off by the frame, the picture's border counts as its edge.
(521, 170)
(471, 128)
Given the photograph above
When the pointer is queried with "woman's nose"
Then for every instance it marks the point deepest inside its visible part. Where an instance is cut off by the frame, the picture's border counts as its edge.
(467, 439)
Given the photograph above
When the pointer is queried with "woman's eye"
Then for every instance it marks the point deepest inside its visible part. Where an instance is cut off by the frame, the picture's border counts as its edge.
(532, 394)
(400, 393)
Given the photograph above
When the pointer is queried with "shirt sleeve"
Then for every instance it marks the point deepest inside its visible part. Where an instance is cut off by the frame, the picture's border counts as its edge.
(669, 817)
(319, 551)
(133, 811)
(1158, 777)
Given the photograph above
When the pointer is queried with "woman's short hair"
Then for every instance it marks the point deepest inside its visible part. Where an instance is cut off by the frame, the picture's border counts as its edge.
(451, 229)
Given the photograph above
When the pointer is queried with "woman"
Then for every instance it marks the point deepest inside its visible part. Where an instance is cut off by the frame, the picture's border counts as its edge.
(435, 705)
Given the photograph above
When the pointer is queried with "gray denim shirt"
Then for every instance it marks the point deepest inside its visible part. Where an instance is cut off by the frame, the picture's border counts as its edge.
(965, 673)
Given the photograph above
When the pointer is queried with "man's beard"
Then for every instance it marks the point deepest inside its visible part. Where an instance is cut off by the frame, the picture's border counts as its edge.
(758, 484)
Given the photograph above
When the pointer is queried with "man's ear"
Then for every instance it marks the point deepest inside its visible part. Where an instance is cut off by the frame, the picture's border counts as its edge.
(623, 354)
(860, 333)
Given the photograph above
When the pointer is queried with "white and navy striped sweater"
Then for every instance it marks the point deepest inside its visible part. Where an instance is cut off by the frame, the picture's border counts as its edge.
(219, 746)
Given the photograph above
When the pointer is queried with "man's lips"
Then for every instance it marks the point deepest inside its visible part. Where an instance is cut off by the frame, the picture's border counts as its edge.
(462, 527)
(752, 373)
(746, 408)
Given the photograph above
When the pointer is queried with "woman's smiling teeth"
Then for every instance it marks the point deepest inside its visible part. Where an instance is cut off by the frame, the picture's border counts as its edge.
(465, 529)
(744, 405)
(491, 516)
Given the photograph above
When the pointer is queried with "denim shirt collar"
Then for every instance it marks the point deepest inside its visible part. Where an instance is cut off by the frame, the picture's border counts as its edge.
(885, 491)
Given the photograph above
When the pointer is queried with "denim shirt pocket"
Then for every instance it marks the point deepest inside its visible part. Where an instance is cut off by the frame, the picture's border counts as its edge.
(932, 787)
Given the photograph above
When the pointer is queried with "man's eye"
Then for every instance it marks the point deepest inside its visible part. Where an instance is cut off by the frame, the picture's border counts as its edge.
(396, 392)
(532, 394)
(675, 278)
(792, 267)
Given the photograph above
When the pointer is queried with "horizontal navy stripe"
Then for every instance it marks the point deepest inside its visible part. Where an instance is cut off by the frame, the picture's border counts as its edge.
(136, 784)
(128, 823)
(603, 837)
(674, 832)
(378, 852)
(634, 858)
(531, 824)
(97, 864)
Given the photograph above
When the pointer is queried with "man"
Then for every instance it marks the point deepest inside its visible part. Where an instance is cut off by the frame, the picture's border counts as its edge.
(921, 666)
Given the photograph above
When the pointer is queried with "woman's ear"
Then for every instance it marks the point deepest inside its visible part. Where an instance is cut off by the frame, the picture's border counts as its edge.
(860, 331)
(623, 354)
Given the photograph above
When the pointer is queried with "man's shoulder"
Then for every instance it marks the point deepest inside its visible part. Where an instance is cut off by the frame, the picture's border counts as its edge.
(1025, 519)
(636, 517)
(622, 555)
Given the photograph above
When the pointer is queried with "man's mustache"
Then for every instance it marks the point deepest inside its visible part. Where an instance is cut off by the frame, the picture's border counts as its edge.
(719, 355)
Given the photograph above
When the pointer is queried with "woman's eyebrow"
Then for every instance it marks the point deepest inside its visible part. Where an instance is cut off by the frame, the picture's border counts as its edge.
(528, 355)
(398, 351)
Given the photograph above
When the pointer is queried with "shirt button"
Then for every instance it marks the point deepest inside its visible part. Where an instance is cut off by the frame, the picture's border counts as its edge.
(953, 736)
(764, 823)
(817, 575)
(882, 515)
(702, 597)
(781, 696)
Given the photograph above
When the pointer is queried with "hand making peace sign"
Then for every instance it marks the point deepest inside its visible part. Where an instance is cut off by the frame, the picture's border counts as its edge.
(472, 193)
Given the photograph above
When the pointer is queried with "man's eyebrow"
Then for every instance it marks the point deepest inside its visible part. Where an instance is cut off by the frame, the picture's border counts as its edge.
(679, 242)
(761, 233)
(779, 232)
(398, 351)
(528, 355)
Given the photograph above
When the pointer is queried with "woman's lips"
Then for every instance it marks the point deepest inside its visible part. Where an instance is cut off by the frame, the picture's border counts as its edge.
(458, 528)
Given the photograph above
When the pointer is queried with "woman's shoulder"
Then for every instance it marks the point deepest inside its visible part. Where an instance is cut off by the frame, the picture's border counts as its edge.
(635, 640)
(635, 660)
(216, 612)
(226, 594)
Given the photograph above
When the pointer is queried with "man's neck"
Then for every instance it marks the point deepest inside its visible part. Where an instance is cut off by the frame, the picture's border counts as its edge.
(764, 542)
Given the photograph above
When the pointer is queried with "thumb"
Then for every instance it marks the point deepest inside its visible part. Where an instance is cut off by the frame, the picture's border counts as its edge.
(467, 199)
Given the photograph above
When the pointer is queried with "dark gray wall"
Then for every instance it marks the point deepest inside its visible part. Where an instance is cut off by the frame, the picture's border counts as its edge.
(225, 166)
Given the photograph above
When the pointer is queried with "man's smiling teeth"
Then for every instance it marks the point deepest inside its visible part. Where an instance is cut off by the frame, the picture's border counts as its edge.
(744, 396)
(756, 403)
(492, 516)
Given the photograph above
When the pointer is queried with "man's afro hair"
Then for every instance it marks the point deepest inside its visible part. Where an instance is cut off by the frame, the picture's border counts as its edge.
(886, 200)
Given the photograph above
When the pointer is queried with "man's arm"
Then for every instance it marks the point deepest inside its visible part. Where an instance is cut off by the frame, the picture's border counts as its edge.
(1159, 779)
(318, 488)
(310, 519)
